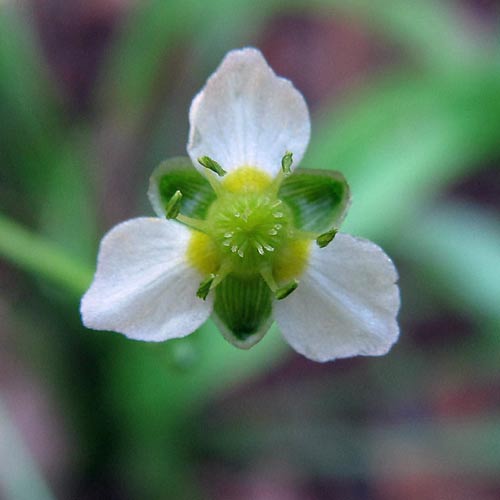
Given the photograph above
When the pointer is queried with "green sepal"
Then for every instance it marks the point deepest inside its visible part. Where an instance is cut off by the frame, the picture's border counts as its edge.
(319, 199)
(178, 174)
(243, 307)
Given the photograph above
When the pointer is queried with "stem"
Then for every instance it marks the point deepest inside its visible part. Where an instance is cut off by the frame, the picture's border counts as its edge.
(197, 224)
(214, 182)
(35, 254)
(267, 274)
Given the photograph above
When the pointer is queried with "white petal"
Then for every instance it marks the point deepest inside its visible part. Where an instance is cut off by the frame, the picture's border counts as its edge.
(247, 116)
(346, 303)
(143, 286)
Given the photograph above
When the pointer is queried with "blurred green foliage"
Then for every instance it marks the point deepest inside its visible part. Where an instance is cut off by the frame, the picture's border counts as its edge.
(401, 140)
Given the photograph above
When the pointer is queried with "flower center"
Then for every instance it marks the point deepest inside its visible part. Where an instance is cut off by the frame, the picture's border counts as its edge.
(249, 229)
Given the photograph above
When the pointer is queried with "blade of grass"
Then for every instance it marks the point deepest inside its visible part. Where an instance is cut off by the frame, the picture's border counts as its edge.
(37, 255)
(400, 141)
(458, 247)
(31, 134)
(41, 163)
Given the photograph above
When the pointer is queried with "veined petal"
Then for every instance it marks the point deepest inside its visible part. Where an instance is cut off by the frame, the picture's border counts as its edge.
(143, 286)
(319, 199)
(247, 116)
(346, 303)
(242, 310)
(178, 174)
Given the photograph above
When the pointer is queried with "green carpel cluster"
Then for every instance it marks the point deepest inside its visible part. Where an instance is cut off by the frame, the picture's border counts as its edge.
(249, 229)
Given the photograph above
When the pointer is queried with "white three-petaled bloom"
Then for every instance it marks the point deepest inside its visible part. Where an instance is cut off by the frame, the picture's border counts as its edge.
(243, 238)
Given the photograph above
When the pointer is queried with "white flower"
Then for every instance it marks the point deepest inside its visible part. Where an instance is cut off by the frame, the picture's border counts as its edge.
(243, 238)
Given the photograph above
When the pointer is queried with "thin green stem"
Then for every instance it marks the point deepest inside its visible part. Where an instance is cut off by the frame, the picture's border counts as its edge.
(197, 224)
(214, 182)
(222, 272)
(33, 253)
(267, 274)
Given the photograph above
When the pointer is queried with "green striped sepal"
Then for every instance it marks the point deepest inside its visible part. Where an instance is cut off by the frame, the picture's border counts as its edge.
(178, 174)
(242, 309)
(319, 199)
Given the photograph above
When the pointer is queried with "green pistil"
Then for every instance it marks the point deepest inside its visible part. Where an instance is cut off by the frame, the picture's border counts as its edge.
(249, 229)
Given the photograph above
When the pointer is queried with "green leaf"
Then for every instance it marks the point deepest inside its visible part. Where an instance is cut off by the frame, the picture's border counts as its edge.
(457, 248)
(139, 52)
(36, 254)
(319, 199)
(402, 139)
(243, 309)
(139, 61)
(178, 174)
(31, 136)
(44, 163)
